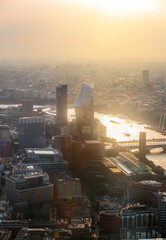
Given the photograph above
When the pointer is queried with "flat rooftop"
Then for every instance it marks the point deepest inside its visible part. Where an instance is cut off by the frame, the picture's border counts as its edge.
(92, 141)
(151, 183)
(41, 151)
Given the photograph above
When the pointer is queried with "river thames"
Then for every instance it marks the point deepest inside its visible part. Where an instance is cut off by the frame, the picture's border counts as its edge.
(118, 127)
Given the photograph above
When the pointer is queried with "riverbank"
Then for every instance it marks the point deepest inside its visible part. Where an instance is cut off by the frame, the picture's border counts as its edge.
(149, 118)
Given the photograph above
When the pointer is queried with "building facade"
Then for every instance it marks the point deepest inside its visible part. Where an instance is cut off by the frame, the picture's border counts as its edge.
(61, 104)
(31, 133)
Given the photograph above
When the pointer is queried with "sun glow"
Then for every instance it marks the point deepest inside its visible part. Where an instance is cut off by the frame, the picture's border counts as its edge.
(123, 6)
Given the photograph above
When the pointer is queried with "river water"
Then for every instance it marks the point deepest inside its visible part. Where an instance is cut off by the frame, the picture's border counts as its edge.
(119, 128)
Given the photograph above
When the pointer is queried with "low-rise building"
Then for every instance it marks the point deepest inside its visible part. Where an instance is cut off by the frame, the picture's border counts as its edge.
(49, 159)
(68, 188)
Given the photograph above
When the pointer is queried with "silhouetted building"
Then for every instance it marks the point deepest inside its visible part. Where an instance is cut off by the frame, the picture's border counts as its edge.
(142, 145)
(31, 133)
(27, 108)
(84, 112)
(145, 76)
(5, 142)
(61, 104)
(110, 221)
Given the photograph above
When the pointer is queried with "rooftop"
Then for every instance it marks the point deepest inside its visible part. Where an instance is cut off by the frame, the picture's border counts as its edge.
(151, 183)
(41, 151)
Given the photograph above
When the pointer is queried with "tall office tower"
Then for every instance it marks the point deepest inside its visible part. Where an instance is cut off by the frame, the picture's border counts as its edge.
(27, 108)
(85, 112)
(61, 104)
(145, 76)
(142, 145)
(31, 132)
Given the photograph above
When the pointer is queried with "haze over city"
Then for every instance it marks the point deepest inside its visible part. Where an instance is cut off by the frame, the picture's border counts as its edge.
(83, 30)
(82, 119)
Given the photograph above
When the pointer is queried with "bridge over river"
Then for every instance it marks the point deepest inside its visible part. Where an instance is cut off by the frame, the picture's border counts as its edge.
(150, 143)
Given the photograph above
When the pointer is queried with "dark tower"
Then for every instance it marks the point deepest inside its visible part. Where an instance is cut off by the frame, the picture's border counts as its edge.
(142, 145)
(31, 132)
(27, 108)
(61, 104)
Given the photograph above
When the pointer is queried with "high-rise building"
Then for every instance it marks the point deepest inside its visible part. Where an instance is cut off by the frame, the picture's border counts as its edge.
(5, 142)
(61, 104)
(142, 145)
(27, 108)
(85, 112)
(145, 74)
(31, 132)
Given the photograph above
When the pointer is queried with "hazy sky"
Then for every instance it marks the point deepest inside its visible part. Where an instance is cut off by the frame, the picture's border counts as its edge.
(83, 29)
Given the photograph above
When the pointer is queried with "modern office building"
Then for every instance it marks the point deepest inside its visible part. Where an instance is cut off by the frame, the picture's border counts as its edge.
(68, 188)
(110, 221)
(145, 74)
(27, 108)
(143, 190)
(142, 145)
(31, 132)
(84, 112)
(61, 104)
(49, 159)
(29, 187)
(5, 142)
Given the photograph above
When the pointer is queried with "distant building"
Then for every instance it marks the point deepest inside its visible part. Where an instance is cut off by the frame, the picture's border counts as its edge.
(49, 159)
(85, 112)
(61, 104)
(68, 188)
(145, 74)
(29, 187)
(5, 142)
(27, 108)
(31, 132)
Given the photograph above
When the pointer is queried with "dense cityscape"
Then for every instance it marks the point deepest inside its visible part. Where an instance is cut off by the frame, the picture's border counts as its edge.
(64, 173)
(82, 120)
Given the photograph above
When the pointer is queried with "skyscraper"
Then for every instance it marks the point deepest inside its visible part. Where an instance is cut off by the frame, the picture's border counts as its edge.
(145, 76)
(61, 104)
(142, 145)
(31, 132)
(27, 108)
(85, 111)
